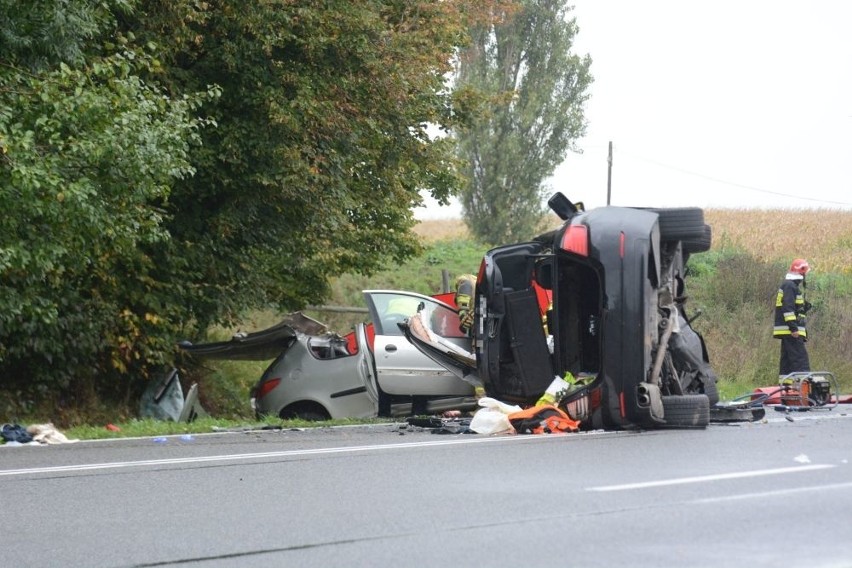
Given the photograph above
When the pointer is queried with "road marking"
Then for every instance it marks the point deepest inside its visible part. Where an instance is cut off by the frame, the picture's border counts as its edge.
(705, 478)
(776, 493)
(266, 455)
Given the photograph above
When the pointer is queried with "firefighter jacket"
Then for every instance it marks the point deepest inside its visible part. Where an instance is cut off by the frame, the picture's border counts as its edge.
(465, 294)
(789, 310)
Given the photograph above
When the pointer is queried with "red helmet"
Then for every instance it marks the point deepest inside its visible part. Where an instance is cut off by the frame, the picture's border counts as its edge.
(800, 266)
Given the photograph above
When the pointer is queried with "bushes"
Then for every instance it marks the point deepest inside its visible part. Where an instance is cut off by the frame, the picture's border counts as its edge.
(736, 293)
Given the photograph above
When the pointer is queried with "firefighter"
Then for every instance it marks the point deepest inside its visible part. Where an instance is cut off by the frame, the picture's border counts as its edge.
(465, 295)
(790, 310)
(465, 292)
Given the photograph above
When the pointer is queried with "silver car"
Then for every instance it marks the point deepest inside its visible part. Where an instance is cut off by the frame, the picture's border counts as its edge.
(372, 371)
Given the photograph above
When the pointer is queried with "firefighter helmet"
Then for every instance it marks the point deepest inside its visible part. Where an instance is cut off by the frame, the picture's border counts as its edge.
(800, 266)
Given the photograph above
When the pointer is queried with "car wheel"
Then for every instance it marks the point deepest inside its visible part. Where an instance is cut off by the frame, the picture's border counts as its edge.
(686, 411)
(711, 390)
(701, 244)
(681, 223)
(310, 412)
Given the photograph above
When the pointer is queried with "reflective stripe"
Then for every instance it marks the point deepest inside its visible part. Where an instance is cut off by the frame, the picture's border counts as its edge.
(800, 299)
(784, 330)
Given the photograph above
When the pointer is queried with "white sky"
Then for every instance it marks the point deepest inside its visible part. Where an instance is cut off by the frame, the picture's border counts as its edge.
(725, 104)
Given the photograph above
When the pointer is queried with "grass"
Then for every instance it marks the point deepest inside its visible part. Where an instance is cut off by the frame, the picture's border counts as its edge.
(823, 236)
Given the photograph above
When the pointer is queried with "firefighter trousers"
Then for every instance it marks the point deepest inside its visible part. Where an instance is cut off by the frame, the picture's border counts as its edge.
(794, 356)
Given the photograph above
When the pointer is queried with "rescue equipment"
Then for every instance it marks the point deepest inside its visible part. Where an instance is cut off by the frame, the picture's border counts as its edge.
(800, 391)
(807, 389)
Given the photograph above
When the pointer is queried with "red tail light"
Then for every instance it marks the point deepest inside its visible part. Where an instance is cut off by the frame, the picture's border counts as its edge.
(576, 240)
(481, 275)
(265, 388)
(621, 245)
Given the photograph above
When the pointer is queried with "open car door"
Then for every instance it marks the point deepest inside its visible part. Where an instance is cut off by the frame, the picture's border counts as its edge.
(456, 359)
(366, 367)
(403, 369)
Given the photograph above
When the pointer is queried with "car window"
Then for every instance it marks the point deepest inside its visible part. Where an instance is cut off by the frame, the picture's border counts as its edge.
(444, 322)
(328, 347)
(393, 308)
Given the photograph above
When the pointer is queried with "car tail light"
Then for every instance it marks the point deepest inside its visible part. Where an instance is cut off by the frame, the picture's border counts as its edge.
(481, 275)
(621, 245)
(265, 388)
(576, 240)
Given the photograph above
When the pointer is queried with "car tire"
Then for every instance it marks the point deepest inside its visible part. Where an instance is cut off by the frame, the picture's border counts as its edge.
(686, 411)
(701, 244)
(711, 391)
(681, 223)
(304, 411)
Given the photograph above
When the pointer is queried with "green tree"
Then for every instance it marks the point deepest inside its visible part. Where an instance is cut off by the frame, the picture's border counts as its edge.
(525, 90)
(322, 144)
(134, 217)
(88, 153)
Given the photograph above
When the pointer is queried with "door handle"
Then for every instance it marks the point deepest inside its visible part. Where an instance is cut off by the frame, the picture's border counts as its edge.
(390, 347)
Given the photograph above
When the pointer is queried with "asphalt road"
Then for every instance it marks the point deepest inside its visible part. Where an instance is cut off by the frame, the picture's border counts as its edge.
(774, 493)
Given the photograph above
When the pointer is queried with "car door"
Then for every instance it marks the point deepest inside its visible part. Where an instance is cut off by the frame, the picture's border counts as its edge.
(401, 369)
(366, 361)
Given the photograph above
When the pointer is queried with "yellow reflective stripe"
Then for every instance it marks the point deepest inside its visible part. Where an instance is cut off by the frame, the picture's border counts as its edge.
(779, 298)
(784, 330)
(789, 316)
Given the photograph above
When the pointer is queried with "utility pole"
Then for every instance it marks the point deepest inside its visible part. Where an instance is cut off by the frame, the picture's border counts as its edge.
(609, 174)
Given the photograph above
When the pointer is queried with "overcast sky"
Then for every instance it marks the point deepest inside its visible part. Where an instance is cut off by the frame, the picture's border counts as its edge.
(725, 104)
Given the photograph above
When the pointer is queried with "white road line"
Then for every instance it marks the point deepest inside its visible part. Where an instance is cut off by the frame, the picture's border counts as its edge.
(706, 478)
(776, 493)
(266, 455)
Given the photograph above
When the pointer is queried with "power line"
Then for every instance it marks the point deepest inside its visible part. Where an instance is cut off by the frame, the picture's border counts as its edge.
(734, 184)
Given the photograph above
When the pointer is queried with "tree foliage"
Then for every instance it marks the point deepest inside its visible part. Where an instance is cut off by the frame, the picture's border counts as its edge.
(322, 144)
(525, 90)
(166, 164)
(88, 153)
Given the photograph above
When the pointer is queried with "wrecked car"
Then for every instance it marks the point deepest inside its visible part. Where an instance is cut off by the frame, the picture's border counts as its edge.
(601, 300)
(372, 371)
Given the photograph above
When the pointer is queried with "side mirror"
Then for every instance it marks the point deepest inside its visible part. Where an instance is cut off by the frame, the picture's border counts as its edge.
(561, 205)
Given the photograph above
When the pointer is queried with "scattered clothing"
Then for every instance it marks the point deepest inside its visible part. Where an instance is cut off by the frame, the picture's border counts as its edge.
(16, 433)
(48, 434)
(543, 419)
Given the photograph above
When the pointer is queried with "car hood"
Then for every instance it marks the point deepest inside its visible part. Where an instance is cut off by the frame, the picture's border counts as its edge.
(259, 345)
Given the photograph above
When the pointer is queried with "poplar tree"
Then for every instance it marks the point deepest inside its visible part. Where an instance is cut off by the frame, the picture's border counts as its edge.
(526, 90)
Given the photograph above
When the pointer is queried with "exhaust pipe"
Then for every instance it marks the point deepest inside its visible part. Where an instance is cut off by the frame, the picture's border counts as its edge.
(643, 395)
(649, 395)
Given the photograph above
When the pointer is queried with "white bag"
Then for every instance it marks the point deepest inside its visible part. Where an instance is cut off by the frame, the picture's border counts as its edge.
(493, 417)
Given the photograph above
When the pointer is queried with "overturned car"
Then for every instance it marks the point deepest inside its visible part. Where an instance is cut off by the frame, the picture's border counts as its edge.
(600, 300)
